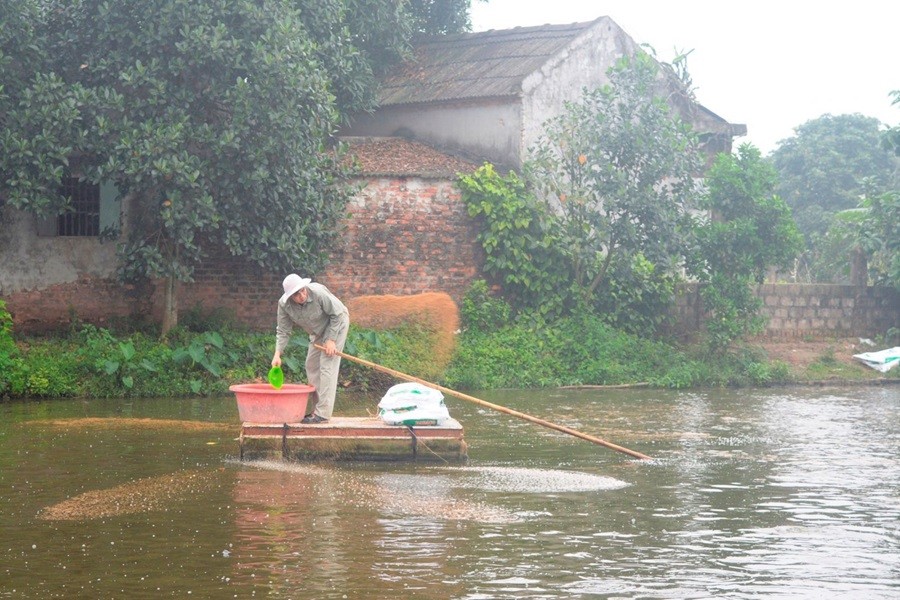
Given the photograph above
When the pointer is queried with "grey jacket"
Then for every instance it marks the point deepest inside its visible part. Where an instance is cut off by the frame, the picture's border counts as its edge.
(322, 316)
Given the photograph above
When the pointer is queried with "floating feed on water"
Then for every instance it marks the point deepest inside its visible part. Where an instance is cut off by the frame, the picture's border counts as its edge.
(139, 496)
(119, 422)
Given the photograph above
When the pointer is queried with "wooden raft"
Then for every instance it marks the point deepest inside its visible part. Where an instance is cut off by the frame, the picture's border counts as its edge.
(353, 438)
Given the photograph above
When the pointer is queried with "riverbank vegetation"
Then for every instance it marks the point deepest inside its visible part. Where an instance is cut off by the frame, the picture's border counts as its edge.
(203, 356)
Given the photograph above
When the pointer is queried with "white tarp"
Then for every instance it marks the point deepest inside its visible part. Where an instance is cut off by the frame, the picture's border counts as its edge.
(883, 360)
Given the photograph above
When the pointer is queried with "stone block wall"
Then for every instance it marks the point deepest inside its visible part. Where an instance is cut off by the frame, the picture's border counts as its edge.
(795, 310)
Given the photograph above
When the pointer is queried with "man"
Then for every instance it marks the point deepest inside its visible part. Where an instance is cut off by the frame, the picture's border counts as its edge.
(318, 312)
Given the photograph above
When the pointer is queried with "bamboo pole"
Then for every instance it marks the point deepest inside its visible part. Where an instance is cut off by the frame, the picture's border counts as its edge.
(497, 407)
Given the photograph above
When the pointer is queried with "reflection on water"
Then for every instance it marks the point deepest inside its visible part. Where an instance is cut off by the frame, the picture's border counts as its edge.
(776, 493)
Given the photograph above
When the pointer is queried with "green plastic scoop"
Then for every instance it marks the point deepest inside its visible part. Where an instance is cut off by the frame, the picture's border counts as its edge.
(276, 377)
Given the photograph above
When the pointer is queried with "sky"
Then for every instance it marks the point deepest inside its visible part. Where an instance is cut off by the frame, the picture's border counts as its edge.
(770, 65)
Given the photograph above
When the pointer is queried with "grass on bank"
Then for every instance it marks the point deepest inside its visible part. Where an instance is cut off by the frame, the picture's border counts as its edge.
(206, 357)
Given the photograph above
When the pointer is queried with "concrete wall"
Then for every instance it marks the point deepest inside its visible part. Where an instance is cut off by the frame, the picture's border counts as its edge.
(29, 261)
(46, 281)
(563, 79)
(798, 310)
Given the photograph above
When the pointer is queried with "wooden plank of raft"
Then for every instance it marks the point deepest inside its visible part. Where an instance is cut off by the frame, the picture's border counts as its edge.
(352, 427)
(353, 438)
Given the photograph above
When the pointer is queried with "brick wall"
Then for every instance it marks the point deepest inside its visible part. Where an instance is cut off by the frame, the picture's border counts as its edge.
(795, 310)
(402, 236)
(91, 299)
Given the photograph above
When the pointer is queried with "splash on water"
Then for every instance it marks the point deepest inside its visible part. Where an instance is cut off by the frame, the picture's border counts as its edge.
(534, 481)
(384, 493)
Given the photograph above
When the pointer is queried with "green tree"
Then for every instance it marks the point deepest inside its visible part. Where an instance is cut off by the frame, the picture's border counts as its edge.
(823, 170)
(21, 50)
(380, 30)
(881, 231)
(619, 168)
(520, 237)
(880, 236)
(749, 230)
(36, 111)
(213, 120)
(831, 258)
(440, 16)
(891, 140)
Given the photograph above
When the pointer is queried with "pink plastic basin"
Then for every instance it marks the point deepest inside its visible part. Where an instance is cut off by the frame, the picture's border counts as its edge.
(261, 403)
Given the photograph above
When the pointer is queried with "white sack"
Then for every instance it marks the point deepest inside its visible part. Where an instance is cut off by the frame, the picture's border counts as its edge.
(408, 396)
(426, 415)
(883, 360)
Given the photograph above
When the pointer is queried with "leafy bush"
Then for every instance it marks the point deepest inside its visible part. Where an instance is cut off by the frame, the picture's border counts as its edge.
(482, 311)
(512, 357)
(10, 363)
(636, 297)
(406, 348)
(681, 376)
(753, 231)
(520, 238)
(95, 362)
(572, 351)
(585, 350)
(199, 320)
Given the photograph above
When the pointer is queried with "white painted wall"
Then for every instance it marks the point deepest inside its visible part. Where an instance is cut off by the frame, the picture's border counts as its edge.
(32, 262)
(563, 78)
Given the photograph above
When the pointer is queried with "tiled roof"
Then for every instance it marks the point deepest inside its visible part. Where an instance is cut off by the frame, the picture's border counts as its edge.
(486, 64)
(394, 157)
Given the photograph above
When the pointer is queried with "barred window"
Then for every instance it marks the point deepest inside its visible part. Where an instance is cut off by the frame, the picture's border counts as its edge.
(84, 219)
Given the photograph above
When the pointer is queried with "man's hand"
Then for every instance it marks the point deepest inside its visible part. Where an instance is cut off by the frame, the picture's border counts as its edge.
(276, 359)
(330, 348)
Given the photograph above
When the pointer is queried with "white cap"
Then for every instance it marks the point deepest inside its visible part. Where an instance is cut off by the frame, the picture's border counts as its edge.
(292, 284)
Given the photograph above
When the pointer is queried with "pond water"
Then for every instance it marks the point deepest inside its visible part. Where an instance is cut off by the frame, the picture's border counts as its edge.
(790, 493)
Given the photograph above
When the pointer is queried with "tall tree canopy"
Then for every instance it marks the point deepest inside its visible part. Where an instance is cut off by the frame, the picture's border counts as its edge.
(828, 167)
(213, 119)
(747, 230)
(620, 167)
(440, 16)
(21, 50)
(822, 168)
(891, 140)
